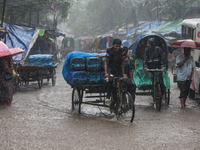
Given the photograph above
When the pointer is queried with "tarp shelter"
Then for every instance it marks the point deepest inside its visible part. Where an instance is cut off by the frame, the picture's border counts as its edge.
(144, 26)
(20, 37)
(170, 27)
(106, 42)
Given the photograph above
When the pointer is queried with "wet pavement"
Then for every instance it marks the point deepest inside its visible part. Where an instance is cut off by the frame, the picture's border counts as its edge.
(42, 119)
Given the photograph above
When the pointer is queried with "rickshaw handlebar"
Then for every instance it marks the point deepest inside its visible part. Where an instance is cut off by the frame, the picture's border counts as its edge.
(154, 70)
(115, 78)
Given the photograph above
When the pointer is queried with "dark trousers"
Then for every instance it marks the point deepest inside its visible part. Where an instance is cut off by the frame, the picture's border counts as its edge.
(184, 87)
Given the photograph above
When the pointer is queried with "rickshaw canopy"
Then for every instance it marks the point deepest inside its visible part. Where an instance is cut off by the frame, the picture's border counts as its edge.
(106, 42)
(141, 43)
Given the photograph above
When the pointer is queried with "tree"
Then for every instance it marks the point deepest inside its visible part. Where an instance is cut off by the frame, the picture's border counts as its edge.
(94, 17)
(38, 13)
(99, 16)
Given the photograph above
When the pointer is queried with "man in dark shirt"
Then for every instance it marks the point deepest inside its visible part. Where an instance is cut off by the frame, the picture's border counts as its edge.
(115, 65)
(153, 59)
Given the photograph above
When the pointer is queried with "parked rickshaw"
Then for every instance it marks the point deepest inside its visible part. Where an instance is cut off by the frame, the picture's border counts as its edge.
(35, 68)
(85, 44)
(35, 72)
(68, 45)
(106, 42)
(146, 81)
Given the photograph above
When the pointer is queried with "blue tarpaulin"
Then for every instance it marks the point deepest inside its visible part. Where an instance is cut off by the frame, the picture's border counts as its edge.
(19, 37)
(65, 71)
(40, 60)
(144, 26)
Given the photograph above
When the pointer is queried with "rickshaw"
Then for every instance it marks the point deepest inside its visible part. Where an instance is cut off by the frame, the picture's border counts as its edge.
(68, 45)
(78, 71)
(106, 42)
(146, 81)
(85, 44)
(35, 71)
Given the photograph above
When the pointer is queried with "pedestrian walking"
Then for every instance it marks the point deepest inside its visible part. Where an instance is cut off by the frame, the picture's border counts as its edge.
(186, 64)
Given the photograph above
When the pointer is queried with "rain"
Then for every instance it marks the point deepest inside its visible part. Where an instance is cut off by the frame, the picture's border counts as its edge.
(59, 55)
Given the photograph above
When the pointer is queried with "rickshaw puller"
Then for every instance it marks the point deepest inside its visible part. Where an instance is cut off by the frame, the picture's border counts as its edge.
(153, 59)
(115, 65)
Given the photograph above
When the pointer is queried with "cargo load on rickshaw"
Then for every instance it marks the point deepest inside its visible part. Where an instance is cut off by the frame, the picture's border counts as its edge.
(83, 68)
(85, 73)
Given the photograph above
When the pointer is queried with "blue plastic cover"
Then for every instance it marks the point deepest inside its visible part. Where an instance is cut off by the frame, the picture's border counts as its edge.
(19, 37)
(144, 26)
(94, 64)
(78, 77)
(94, 77)
(40, 60)
(65, 71)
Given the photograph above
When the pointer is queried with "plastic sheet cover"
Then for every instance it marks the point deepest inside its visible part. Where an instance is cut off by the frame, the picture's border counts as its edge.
(142, 78)
(40, 60)
(65, 71)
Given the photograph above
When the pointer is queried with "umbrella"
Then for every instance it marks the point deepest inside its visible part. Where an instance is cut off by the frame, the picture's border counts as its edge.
(126, 43)
(5, 51)
(87, 38)
(185, 43)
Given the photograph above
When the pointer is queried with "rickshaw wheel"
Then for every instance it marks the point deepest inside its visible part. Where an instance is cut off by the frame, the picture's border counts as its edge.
(54, 77)
(40, 82)
(130, 113)
(167, 99)
(158, 97)
(76, 100)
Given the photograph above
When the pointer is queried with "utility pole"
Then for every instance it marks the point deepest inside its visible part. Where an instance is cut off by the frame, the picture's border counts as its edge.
(3, 12)
(2, 29)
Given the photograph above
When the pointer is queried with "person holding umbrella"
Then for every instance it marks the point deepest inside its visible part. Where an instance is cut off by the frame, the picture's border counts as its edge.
(186, 64)
(6, 76)
(6, 82)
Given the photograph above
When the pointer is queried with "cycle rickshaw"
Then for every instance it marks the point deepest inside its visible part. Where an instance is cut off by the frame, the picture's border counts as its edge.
(39, 68)
(143, 80)
(91, 85)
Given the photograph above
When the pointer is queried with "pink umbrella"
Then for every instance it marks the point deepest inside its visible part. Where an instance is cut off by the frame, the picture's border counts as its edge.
(87, 38)
(5, 51)
(185, 43)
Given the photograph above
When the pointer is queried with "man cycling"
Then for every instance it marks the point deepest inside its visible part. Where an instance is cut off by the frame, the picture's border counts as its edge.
(153, 59)
(115, 65)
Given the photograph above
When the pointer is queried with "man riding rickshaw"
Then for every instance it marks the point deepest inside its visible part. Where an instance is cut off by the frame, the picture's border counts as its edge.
(151, 64)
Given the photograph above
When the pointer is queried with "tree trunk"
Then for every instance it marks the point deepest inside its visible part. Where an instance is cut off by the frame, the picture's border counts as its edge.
(134, 16)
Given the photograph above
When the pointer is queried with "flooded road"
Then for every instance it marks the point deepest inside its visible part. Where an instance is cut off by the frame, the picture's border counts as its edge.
(42, 119)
